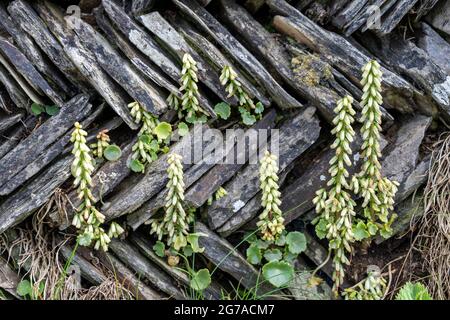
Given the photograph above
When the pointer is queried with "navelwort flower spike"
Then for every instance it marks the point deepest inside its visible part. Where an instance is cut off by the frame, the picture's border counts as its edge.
(188, 106)
(377, 192)
(233, 87)
(220, 193)
(175, 222)
(101, 144)
(271, 221)
(371, 288)
(336, 207)
(146, 148)
(87, 218)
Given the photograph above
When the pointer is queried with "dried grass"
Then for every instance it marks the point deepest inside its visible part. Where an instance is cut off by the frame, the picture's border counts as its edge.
(434, 235)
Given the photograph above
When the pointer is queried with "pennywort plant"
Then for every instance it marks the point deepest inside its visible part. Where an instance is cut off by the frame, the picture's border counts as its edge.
(152, 137)
(271, 219)
(373, 287)
(174, 225)
(336, 206)
(377, 192)
(275, 247)
(248, 109)
(87, 218)
(101, 144)
(188, 106)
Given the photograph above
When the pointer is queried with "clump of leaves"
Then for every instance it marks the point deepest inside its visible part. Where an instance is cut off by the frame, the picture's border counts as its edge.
(277, 256)
(371, 288)
(336, 207)
(153, 138)
(26, 290)
(413, 291)
(38, 109)
(377, 192)
(87, 218)
(174, 225)
(249, 111)
(271, 219)
(188, 106)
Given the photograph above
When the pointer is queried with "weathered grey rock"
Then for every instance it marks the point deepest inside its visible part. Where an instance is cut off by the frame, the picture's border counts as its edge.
(144, 268)
(139, 7)
(44, 158)
(214, 29)
(23, 13)
(221, 253)
(437, 48)
(85, 61)
(396, 14)
(7, 121)
(407, 59)
(15, 92)
(296, 135)
(49, 132)
(28, 71)
(402, 156)
(439, 17)
(129, 280)
(341, 54)
(29, 48)
(26, 200)
(88, 271)
(118, 68)
(9, 279)
(16, 135)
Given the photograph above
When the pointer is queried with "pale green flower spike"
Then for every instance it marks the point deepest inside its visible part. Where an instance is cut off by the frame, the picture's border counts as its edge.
(371, 288)
(220, 193)
(146, 149)
(102, 143)
(188, 106)
(175, 223)
(87, 218)
(377, 192)
(336, 207)
(233, 87)
(271, 221)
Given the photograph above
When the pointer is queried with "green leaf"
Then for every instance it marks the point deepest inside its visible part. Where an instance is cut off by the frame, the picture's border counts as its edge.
(247, 118)
(183, 129)
(321, 229)
(153, 146)
(179, 242)
(262, 244)
(386, 232)
(413, 291)
(278, 273)
(112, 152)
(372, 228)
(24, 288)
(192, 238)
(36, 109)
(251, 239)
(187, 251)
(259, 108)
(289, 257)
(52, 110)
(136, 166)
(281, 241)
(84, 239)
(273, 255)
(160, 249)
(200, 280)
(296, 242)
(223, 110)
(145, 138)
(360, 231)
(254, 254)
(163, 130)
